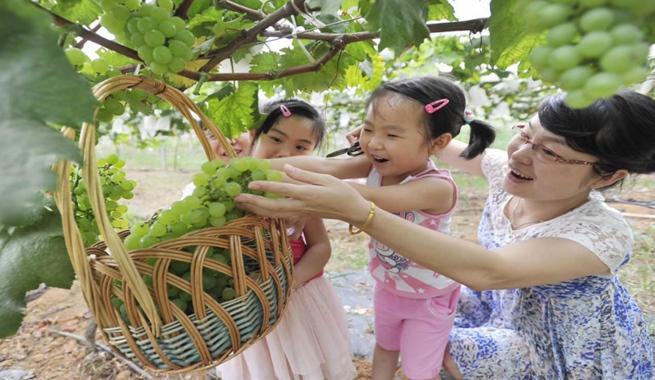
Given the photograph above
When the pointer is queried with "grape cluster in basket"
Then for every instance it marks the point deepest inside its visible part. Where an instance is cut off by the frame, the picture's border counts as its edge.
(115, 186)
(593, 47)
(211, 204)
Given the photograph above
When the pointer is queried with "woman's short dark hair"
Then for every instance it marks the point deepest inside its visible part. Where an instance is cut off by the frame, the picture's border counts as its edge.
(449, 119)
(273, 112)
(619, 130)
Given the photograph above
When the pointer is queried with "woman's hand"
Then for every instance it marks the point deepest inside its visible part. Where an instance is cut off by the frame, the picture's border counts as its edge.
(312, 194)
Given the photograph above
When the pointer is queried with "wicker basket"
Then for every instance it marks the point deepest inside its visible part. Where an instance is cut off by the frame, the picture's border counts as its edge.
(159, 334)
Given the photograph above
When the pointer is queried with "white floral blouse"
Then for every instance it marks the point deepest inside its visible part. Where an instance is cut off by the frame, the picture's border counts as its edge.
(587, 328)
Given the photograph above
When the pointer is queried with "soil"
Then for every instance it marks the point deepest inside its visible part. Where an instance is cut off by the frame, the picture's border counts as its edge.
(51, 344)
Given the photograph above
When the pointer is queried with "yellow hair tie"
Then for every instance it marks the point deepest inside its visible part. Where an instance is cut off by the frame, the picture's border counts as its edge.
(369, 218)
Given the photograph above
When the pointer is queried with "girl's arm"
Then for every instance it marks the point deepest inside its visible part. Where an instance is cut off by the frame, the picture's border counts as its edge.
(451, 156)
(353, 167)
(317, 255)
(433, 195)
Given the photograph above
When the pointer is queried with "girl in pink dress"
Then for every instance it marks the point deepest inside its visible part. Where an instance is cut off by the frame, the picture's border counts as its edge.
(311, 339)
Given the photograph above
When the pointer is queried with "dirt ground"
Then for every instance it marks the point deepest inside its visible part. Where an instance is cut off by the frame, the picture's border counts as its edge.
(51, 343)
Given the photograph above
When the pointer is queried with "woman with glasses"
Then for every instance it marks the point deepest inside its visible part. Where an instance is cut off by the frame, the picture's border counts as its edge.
(543, 298)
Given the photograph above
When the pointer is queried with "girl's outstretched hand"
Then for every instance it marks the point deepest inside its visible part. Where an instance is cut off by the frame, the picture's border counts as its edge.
(312, 194)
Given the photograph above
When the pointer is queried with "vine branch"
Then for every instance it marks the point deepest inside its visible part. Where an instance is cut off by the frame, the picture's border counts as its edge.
(182, 10)
(249, 12)
(252, 33)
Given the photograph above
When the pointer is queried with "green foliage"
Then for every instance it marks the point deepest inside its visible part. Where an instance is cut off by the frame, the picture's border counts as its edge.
(29, 256)
(510, 41)
(401, 22)
(28, 103)
(82, 11)
(233, 113)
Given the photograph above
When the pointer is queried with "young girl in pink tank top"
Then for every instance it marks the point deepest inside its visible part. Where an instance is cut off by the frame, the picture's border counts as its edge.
(311, 339)
(407, 121)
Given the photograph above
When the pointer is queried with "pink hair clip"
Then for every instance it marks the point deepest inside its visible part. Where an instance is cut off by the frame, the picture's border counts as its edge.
(285, 111)
(436, 105)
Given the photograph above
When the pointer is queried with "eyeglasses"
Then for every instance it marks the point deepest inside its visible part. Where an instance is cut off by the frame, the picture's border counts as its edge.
(542, 152)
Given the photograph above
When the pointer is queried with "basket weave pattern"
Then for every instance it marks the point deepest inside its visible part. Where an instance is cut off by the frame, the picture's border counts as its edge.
(158, 334)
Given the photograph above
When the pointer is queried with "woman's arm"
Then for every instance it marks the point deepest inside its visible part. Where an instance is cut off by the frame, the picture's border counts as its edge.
(451, 156)
(317, 255)
(529, 263)
(353, 167)
(433, 195)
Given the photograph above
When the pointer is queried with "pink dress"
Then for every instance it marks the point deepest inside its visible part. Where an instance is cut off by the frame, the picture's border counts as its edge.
(310, 342)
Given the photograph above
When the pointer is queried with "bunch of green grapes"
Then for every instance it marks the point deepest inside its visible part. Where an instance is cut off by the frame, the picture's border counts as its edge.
(211, 204)
(115, 186)
(593, 47)
(161, 40)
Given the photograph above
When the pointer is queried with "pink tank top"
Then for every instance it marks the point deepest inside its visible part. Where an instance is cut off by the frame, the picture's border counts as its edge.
(395, 272)
(298, 248)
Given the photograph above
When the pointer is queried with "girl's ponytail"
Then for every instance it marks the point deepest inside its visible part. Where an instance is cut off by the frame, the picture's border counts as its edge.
(482, 135)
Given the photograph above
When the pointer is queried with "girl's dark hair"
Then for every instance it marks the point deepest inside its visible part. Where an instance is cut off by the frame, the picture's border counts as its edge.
(449, 119)
(273, 112)
(619, 130)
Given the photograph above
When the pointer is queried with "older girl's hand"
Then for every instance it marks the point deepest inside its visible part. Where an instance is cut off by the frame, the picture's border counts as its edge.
(312, 194)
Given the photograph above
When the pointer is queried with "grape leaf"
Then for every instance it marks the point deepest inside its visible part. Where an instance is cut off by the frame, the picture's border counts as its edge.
(509, 39)
(82, 11)
(264, 63)
(29, 256)
(52, 92)
(401, 23)
(28, 45)
(328, 7)
(233, 113)
(441, 10)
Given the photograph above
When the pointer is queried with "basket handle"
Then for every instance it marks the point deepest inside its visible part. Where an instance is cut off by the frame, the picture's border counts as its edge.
(126, 265)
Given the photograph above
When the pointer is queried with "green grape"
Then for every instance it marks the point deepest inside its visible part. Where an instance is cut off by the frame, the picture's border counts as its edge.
(618, 59)
(274, 175)
(201, 179)
(167, 28)
(208, 282)
(179, 49)
(132, 242)
(180, 303)
(137, 40)
(178, 23)
(76, 56)
(158, 68)
(232, 189)
(99, 65)
(533, 11)
(119, 12)
(591, 3)
(626, 34)
(185, 36)
(145, 53)
(145, 24)
(603, 84)
(553, 14)
(564, 57)
(594, 44)
(228, 294)
(258, 175)
(562, 34)
(154, 38)
(635, 75)
(166, 5)
(597, 19)
(161, 55)
(132, 4)
(216, 209)
(217, 221)
(148, 241)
